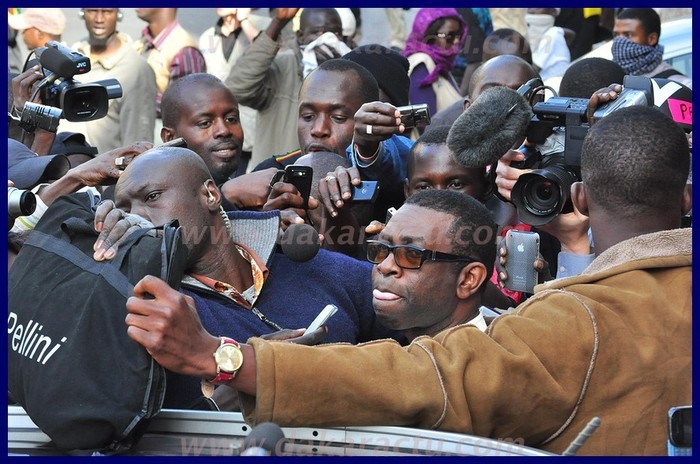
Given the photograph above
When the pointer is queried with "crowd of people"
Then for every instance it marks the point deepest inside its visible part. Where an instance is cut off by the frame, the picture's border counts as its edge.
(428, 334)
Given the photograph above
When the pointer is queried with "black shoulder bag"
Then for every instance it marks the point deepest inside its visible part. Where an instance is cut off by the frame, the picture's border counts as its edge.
(71, 364)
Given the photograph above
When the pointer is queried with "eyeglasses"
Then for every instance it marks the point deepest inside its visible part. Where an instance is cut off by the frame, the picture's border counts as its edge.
(408, 256)
(453, 37)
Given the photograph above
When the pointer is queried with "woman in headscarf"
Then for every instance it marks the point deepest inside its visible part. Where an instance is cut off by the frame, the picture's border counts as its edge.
(431, 48)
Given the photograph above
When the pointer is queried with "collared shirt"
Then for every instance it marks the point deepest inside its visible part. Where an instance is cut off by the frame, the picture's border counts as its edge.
(188, 60)
(107, 62)
(479, 322)
(131, 117)
(227, 41)
(247, 297)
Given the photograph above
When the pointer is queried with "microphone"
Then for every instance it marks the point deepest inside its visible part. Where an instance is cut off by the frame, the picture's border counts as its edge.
(581, 438)
(266, 439)
(300, 242)
(63, 61)
(496, 120)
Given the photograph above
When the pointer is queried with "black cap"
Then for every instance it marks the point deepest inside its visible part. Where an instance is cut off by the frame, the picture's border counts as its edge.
(72, 143)
(389, 67)
(27, 169)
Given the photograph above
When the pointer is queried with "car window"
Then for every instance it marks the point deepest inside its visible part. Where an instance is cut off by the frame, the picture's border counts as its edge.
(683, 63)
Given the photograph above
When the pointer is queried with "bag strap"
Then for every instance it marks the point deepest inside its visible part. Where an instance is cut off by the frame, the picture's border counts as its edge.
(73, 254)
(668, 73)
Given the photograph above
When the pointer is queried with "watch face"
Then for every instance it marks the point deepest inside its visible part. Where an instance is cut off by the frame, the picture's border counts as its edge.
(229, 358)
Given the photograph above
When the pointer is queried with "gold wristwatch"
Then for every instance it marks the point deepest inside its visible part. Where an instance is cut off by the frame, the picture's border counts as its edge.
(229, 359)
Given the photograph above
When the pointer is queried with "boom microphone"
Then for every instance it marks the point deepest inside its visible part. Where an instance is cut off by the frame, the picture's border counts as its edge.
(496, 120)
(266, 439)
(300, 242)
(63, 61)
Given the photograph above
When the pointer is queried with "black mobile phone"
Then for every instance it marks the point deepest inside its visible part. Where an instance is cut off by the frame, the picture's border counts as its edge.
(366, 192)
(301, 177)
(413, 115)
(523, 248)
(680, 429)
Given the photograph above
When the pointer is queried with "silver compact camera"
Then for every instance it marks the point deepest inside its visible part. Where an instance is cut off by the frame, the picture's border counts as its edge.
(413, 115)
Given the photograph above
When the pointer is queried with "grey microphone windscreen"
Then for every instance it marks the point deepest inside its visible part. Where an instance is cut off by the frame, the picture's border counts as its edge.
(496, 120)
(266, 439)
(300, 242)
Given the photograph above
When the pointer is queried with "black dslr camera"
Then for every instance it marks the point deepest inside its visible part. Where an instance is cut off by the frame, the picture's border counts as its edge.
(79, 102)
(558, 128)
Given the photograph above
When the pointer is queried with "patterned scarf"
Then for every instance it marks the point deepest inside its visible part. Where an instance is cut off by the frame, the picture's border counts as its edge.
(636, 59)
(444, 59)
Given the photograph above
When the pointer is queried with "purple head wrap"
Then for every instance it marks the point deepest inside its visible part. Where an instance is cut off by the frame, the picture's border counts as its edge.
(444, 59)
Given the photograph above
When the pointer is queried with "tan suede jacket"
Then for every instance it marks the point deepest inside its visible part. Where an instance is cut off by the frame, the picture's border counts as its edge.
(614, 342)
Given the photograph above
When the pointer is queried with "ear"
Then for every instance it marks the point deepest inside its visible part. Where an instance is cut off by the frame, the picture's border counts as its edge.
(652, 39)
(470, 279)
(687, 200)
(213, 195)
(167, 134)
(466, 103)
(405, 187)
(579, 198)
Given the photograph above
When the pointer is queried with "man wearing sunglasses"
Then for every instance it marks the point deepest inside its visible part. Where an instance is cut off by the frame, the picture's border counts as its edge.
(432, 263)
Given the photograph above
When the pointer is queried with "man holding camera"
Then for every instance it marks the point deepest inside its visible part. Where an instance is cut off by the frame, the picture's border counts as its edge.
(131, 117)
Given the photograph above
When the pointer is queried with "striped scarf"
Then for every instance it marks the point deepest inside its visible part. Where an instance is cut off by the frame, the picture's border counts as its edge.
(636, 59)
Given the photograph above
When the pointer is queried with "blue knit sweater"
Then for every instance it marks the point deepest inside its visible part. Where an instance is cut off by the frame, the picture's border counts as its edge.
(293, 294)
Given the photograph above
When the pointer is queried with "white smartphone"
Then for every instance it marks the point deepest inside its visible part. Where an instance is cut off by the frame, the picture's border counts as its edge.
(523, 249)
(322, 317)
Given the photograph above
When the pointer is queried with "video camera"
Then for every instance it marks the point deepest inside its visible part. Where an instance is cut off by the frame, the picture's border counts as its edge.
(558, 128)
(79, 102)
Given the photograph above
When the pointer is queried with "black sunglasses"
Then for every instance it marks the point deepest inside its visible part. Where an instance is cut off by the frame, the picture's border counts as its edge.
(408, 256)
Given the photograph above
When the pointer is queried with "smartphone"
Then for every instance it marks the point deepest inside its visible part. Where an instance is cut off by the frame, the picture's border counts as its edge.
(680, 431)
(178, 142)
(523, 248)
(366, 192)
(413, 115)
(389, 213)
(301, 177)
(322, 317)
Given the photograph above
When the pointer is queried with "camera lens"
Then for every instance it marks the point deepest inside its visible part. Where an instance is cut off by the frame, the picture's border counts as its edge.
(84, 102)
(20, 202)
(542, 194)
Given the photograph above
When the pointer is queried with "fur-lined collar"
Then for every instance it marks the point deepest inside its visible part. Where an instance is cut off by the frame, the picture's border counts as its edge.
(664, 245)
(660, 244)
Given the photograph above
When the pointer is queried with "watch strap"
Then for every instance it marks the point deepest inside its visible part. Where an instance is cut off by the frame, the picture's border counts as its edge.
(208, 386)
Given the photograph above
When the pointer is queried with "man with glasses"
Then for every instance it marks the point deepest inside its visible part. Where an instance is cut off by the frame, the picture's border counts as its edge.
(585, 346)
(432, 263)
(131, 117)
